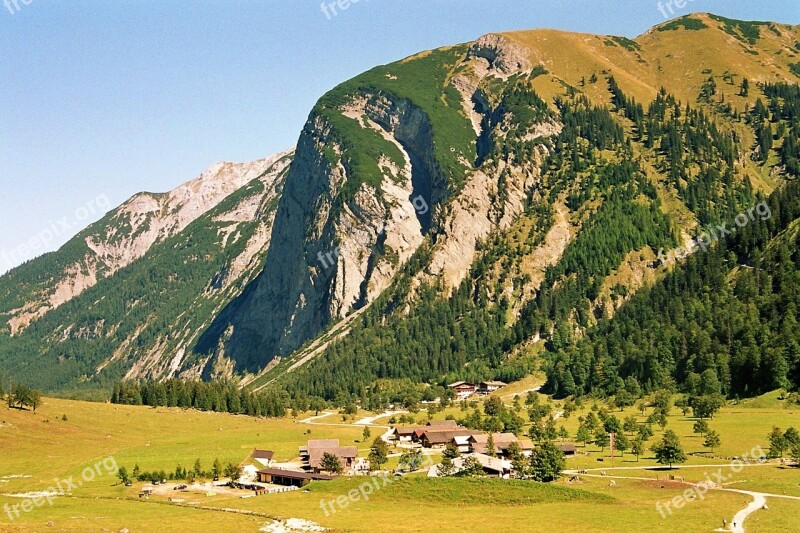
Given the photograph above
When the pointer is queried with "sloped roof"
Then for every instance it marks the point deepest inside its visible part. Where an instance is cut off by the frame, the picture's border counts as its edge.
(408, 430)
(342, 452)
(444, 437)
(263, 454)
(501, 442)
(443, 423)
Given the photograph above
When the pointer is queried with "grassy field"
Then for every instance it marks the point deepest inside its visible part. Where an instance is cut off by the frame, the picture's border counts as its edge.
(44, 448)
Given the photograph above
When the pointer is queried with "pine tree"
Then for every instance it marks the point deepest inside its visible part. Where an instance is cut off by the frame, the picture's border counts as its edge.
(490, 448)
(379, 454)
(547, 462)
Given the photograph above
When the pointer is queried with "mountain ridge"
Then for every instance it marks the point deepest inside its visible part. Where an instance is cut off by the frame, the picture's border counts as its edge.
(469, 182)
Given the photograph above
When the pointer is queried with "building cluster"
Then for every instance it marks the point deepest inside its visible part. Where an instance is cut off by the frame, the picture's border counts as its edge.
(439, 434)
(493, 451)
(464, 389)
(311, 458)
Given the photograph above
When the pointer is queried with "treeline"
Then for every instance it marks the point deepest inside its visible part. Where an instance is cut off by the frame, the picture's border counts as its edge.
(232, 471)
(218, 396)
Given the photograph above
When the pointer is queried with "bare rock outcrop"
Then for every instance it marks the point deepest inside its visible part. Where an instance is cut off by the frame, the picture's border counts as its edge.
(503, 56)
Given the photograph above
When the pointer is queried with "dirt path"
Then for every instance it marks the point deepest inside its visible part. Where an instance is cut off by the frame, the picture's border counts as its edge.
(313, 419)
(369, 421)
(759, 500)
(522, 393)
(737, 523)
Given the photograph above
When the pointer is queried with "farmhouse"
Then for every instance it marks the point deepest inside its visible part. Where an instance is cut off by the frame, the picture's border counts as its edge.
(492, 466)
(502, 442)
(463, 389)
(312, 453)
(289, 478)
(319, 443)
(437, 438)
(462, 442)
(406, 433)
(488, 387)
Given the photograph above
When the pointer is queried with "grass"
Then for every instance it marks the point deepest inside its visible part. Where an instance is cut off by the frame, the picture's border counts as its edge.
(782, 515)
(46, 447)
(155, 438)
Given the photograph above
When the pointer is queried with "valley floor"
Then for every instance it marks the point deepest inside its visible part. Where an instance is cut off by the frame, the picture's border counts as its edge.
(64, 438)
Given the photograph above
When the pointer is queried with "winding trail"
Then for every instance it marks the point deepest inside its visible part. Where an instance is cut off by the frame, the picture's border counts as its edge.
(369, 421)
(313, 419)
(759, 498)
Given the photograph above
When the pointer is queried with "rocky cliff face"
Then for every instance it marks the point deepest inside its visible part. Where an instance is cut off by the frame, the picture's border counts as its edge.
(334, 254)
(330, 255)
(149, 218)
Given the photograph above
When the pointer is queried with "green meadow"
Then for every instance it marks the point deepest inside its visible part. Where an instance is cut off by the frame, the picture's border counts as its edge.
(43, 448)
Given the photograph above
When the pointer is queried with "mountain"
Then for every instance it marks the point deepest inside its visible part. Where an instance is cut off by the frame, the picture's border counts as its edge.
(115, 295)
(468, 212)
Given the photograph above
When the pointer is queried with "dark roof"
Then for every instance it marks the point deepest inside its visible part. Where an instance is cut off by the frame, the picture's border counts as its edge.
(263, 454)
(567, 447)
(294, 474)
(443, 423)
(407, 430)
(342, 452)
(444, 437)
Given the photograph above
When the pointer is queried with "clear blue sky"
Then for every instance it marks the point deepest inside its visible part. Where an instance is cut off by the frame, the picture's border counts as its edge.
(112, 97)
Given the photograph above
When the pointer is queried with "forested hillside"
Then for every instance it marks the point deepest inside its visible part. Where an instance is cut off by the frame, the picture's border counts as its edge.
(597, 166)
